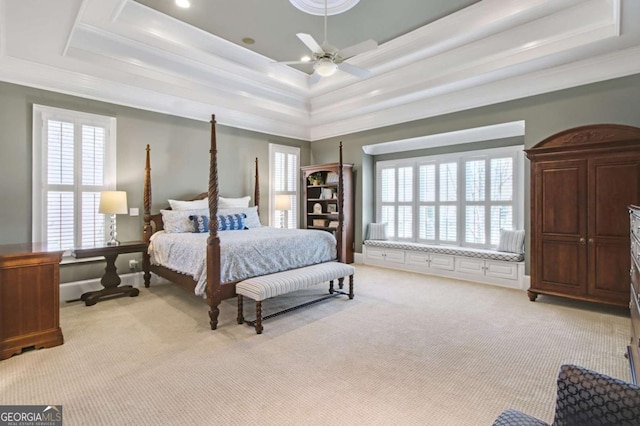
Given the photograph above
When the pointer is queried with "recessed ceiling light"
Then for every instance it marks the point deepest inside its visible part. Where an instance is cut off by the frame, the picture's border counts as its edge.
(183, 3)
(248, 40)
(305, 58)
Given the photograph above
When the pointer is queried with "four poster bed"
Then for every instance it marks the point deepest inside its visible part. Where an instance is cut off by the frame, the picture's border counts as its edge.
(231, 255)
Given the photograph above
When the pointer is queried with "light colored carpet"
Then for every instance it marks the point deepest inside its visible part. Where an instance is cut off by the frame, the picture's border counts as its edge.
(410, 349)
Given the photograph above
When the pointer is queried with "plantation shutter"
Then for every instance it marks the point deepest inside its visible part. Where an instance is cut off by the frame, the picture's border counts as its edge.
(285, 174)
(73, 162)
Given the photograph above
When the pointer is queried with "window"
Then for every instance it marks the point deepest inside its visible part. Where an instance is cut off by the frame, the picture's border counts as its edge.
(462, 199)
(73, 161)
(284, 172)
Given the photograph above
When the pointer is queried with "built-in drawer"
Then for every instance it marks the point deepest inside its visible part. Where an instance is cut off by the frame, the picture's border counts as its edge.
(470, 265)
(394, 256)
(375, 253)
(505, 270)
(417, 258)
(445, 262)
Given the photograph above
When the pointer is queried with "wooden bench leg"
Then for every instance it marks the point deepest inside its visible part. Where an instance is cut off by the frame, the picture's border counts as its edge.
(351, 287)
(340, 283)
(259, 317)
(331, 287)
(240, 310)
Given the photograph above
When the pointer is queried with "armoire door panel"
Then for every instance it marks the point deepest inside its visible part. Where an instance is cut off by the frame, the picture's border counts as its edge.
(609, 264)
(562, 197)
(563, 267)
(614, 184)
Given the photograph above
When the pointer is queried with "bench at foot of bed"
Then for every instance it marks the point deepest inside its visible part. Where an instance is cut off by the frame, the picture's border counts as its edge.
(267, 286)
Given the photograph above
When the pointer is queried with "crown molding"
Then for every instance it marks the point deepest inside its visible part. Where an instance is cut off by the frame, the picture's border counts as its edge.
(477, 134)
(123, 52)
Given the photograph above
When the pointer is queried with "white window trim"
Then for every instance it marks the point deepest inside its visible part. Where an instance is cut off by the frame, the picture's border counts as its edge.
(285, 149)
(41, 113)
(517, 151)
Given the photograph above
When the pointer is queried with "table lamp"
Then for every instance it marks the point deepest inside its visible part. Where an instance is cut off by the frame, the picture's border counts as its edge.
(113, 203)
(283, 203)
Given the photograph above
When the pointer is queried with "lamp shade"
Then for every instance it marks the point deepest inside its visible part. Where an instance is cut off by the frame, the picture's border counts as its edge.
(283, 202)
(113, 202)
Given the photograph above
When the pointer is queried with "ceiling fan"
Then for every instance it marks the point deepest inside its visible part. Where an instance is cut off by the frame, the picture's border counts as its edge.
(327, 59)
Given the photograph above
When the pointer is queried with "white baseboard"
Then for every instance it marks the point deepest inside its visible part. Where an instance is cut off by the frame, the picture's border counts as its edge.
(73, 290)
(526, 282)
(357, 258)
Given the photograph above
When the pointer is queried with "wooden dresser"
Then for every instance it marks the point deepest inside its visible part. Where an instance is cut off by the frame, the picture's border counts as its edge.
(29, 298)
(633, 350)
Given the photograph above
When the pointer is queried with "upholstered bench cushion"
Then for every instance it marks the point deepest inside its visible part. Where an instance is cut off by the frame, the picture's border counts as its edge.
(266, 286)
(456, 251)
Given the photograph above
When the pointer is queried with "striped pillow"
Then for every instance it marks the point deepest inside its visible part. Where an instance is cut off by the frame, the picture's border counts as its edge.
(511, 241)
(377, 231)
(231, 222)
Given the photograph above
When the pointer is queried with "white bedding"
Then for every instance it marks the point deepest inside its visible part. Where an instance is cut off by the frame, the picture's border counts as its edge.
(243, 254)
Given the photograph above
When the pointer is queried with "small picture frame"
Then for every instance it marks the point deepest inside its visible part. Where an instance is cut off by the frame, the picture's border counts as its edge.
(332, 177)
(317, 208)
(332, 208)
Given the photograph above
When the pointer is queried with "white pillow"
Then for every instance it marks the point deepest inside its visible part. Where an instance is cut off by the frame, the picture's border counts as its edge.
(377, 231)
(252, 220)
(189, 205)
(233, 203)
(176, 221)
(511, 241)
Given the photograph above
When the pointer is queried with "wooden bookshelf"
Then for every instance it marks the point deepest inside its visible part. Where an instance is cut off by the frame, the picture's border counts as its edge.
(320, 202)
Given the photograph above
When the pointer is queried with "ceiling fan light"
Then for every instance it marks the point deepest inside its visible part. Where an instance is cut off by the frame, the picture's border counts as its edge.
(325, 67)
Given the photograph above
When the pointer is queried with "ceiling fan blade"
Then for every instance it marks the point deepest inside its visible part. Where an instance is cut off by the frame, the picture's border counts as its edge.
(352, 69)
(310, 43)
(357, 49)
(294, 62)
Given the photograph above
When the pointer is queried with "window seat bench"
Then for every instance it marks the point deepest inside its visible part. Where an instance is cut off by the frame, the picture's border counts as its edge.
(485, 266)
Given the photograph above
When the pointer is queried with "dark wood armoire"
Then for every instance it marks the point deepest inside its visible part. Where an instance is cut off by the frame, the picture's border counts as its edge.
(582, 182)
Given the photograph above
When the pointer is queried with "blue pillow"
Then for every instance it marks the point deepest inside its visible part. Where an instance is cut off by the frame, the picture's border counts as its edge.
(200, 223)
(231, 222)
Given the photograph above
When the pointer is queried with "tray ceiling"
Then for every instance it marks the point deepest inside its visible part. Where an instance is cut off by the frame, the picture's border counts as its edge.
(124, 52)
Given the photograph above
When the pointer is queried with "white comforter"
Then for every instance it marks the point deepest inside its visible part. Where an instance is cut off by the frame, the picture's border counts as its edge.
(243, 254)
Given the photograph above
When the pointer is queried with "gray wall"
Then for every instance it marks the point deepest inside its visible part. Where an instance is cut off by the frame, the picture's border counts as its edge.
(180, 150)
(614, 101)
(179, 162)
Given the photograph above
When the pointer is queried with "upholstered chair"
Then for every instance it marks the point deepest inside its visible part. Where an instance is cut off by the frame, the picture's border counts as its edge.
(586, 398)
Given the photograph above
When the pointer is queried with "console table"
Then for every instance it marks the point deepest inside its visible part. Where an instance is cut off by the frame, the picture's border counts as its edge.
(110, 280)
(29, 298)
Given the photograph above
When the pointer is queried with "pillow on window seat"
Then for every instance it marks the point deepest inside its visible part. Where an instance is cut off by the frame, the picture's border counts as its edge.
(511, 241)
(377, 231)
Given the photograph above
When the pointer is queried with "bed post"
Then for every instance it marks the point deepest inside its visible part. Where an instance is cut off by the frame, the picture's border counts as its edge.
(214, 296)
(256, 191)
(146, 230)
(339, 236)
